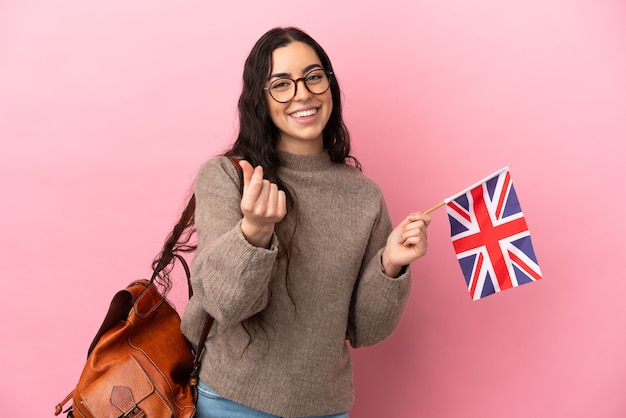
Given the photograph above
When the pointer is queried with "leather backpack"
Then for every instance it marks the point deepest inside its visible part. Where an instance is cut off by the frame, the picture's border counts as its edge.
(140, 364)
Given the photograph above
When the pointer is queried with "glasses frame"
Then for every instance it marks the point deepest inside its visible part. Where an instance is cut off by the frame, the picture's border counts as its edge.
(295, 83)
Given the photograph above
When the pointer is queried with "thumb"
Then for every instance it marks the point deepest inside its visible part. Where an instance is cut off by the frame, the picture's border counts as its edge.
(248, 170)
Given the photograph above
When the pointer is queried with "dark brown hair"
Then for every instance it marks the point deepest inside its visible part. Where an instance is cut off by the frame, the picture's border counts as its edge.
(258, 136)
(257, 142)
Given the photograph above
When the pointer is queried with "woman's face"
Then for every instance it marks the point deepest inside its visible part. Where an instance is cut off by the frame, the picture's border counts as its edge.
(302, 119)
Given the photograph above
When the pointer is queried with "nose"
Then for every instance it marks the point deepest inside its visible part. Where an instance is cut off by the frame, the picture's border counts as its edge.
(302, 92)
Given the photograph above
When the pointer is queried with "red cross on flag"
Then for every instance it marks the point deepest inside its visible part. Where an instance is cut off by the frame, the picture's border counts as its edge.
(490, 236)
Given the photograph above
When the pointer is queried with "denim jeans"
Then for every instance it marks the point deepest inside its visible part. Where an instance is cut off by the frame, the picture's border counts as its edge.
(212, 405)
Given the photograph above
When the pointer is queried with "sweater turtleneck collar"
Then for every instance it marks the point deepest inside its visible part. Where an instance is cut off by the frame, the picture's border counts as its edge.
(305, 162)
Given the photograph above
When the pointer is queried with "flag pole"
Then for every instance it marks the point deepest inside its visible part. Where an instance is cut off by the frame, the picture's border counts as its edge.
(434, 208)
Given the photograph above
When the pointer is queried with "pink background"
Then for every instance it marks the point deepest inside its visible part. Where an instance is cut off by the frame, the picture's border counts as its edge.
(107, 109)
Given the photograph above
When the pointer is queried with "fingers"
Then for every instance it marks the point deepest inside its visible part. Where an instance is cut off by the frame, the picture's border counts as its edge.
(415, 220)
(415, 227)
(419, 216)
(269, 199)
(262, 201)
(277, 201)
(254, 186)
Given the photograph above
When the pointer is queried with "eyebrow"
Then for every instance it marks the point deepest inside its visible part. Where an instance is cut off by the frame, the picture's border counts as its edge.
(304, 71)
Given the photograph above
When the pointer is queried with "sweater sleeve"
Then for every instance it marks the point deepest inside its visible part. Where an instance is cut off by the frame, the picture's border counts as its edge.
(378, 300)
(230, 276)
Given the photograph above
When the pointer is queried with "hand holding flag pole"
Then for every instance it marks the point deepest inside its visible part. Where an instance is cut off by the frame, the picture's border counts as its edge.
(490, 236)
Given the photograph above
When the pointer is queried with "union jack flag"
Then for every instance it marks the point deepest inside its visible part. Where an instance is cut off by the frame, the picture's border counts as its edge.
(490, 236)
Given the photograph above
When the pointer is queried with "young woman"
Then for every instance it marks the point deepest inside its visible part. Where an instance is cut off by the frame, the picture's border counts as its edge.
(301, 262)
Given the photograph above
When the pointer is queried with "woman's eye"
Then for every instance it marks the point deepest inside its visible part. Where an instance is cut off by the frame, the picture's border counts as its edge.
(281, 85)
(314, 76)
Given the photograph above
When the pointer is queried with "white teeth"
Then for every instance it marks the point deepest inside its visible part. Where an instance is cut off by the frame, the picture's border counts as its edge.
(304, 113)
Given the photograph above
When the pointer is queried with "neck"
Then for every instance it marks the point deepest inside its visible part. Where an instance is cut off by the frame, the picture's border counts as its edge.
(301, 147)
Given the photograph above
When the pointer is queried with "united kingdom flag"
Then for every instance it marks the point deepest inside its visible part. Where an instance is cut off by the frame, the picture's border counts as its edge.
(490, 236)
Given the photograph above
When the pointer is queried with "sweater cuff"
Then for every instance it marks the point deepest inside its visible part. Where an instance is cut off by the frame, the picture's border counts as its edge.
(273, 246)
(403, 271)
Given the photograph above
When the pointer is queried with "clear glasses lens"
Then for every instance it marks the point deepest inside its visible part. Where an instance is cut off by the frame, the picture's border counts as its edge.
(284, 89)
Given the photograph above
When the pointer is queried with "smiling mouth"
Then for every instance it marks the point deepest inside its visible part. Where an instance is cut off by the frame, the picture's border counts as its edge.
(303, 113)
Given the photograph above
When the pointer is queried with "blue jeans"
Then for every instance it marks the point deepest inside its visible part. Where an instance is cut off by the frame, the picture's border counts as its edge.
(212, 405)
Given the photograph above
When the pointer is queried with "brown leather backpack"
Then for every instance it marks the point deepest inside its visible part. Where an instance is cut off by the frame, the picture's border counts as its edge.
(140, 364)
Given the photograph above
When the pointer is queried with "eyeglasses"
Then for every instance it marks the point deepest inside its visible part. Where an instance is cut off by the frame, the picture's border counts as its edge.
(284, 89)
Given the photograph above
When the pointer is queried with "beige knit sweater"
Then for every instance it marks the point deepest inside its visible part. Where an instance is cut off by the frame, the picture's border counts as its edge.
(299, 364)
